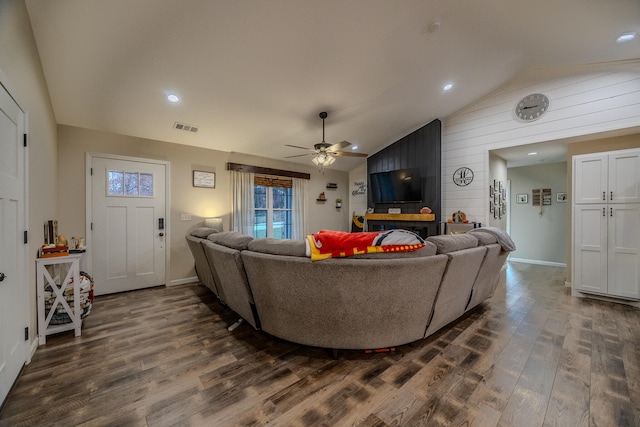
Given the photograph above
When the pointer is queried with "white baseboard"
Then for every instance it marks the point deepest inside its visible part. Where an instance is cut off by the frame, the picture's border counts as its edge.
(183, 281)
(538, 262)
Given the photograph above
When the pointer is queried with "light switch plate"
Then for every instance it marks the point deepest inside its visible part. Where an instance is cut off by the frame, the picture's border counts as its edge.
(185, 217)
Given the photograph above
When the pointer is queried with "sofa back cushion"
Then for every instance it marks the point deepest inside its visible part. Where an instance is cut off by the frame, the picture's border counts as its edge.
(202, 232)
(485, 238)
(231, 239)
(269, 245)
(453, 242)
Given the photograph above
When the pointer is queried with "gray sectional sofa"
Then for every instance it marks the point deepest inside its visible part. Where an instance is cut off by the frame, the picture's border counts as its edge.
(365, 301)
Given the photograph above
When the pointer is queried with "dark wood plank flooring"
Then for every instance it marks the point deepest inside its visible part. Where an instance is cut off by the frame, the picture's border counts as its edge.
(531, 356)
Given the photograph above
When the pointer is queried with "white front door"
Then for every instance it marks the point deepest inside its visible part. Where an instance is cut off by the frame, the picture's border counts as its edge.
(129, 226)
(14, 305)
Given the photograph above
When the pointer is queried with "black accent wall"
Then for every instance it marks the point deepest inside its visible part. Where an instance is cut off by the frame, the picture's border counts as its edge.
(420, 149)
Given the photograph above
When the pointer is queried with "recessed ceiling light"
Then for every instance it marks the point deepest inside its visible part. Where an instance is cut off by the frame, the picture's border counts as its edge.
(626, 37)
(354, 147)
(173, 98)
(533, 153)
(447, 87)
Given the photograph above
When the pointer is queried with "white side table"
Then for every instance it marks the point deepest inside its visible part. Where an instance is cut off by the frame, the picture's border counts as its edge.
(72, 265)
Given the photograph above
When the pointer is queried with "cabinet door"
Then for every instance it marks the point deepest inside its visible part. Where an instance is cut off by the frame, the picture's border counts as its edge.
(624, 177)
(590, 248)
(624, 250)
(590, 183)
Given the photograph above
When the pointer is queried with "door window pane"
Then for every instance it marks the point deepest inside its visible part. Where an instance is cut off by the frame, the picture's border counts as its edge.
(146, 184)
(115, 183)
(130, 184)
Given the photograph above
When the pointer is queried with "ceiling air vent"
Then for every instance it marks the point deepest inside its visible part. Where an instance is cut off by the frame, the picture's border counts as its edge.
(185, 127)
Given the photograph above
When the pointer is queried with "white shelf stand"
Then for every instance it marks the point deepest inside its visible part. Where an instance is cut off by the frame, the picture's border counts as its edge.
(44, 277)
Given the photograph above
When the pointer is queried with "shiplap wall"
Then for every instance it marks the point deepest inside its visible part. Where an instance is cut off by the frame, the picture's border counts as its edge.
(583, 101)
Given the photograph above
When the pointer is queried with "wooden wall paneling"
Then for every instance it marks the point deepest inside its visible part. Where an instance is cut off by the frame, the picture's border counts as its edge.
(420, 149)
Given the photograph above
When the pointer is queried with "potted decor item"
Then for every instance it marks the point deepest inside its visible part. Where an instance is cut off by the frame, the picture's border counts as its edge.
(338, 203)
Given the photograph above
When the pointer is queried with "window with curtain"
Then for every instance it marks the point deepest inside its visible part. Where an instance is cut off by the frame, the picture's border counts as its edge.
(273, 207)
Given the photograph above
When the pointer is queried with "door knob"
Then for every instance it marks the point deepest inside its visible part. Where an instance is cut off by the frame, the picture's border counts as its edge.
(161, 234)
(2, 276)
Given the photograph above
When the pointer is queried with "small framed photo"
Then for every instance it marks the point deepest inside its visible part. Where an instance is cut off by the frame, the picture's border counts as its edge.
(491, 206)
(491, 191)
(522, 198)
(561, 197)
(204, 179)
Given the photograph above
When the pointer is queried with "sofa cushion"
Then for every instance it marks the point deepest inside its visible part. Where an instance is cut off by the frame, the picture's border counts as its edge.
(485, 238)
(231, 239)
(203, 232)
(269, 245)
(453, 242)
(429, 249)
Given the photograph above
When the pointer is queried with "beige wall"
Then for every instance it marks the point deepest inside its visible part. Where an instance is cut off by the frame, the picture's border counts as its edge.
(74, 143)
(539, 231)
(20, 64)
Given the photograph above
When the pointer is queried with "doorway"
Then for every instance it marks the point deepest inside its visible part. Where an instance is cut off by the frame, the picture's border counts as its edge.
(127, 222)
(14, 291)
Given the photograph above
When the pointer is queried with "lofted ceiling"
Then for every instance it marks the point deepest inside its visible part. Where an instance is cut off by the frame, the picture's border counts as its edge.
(253, 75)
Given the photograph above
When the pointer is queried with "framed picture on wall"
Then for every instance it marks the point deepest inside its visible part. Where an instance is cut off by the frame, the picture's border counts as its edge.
(522, 198)
(561, 197)
(204, 179)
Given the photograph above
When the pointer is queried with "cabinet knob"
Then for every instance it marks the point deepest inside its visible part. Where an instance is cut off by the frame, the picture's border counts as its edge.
(2, 276)
(604, 212)
(604, 195)
(161, 234)
(611, 197)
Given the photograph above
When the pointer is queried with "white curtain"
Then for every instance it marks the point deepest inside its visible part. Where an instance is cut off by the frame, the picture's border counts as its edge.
(242, 208)
(298, 208)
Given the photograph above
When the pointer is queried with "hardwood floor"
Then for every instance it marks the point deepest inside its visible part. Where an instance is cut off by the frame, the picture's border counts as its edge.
(531, 356)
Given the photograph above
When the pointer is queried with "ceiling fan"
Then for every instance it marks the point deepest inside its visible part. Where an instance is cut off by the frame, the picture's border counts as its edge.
(324, 153)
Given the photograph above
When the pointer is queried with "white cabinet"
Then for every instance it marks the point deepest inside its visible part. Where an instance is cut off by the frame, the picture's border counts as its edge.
(606, 224)
(59, 273)
(607, 249)
(607, 178)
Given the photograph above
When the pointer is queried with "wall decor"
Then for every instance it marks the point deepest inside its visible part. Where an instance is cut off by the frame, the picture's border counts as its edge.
(498, 199)
(463, 176)
(522, 198)
(561, 197)
(532, 107)
(359, 188)
(204, 179)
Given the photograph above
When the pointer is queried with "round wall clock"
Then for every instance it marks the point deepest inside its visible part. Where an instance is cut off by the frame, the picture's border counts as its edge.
(463, 176)
(532, 107)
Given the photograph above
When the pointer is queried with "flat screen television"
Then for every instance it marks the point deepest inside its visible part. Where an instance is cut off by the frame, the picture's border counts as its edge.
(397, 186)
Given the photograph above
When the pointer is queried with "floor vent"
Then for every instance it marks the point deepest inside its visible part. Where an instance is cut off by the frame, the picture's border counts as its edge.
(185, 127)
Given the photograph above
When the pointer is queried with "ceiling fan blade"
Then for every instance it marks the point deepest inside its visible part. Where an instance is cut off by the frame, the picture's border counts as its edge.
(298, 155)
(339, 146)
(297, 146)
(347, 154)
